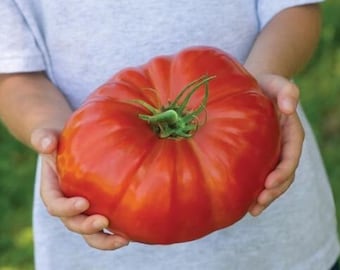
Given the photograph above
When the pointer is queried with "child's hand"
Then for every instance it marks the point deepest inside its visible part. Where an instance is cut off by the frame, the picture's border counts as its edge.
(69, 210)
(286, 94)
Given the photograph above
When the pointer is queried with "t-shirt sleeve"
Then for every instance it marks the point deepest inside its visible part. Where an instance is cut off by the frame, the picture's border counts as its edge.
(19, 51)
(267, 9)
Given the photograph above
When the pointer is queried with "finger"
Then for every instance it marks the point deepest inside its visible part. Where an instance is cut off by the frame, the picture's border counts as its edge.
(105, 241)
(84, 224)
(267, 196)
(256, 210)
(54, 200)
(292, 141)
(44, 140)
(288, 98)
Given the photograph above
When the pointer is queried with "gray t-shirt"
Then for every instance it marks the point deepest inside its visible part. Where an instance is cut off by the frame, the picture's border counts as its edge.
(81, 43)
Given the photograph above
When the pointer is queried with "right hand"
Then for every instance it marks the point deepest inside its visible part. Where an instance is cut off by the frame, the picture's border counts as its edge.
(286, 96)
(69, 210)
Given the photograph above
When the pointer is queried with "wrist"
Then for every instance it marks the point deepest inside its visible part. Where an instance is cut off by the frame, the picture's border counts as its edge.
(261, 70)
(286, 53)
(30, 101)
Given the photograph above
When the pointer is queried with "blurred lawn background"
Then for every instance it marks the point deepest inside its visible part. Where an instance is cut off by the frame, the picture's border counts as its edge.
(320, 94)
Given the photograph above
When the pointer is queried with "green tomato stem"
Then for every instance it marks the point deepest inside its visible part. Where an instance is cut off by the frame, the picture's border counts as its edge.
(175, 121)
(170, 117)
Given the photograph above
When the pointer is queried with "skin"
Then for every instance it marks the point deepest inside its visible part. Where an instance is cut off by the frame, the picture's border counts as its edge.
(35, 111)
(274, 59)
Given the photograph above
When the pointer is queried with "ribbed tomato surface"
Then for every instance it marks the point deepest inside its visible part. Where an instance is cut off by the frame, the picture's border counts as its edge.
(166, 190)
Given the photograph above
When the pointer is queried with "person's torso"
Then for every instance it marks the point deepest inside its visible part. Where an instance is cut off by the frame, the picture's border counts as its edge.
(85, 42)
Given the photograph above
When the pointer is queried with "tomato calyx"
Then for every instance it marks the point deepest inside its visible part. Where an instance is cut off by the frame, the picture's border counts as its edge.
(175, 121)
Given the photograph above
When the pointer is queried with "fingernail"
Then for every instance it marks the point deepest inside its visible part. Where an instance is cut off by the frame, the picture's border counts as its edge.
(99, 224)
(80, 205)
(287, 105)
(45, 143)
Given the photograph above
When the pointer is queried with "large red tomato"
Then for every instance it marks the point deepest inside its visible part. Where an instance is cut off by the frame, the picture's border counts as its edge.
(168, 165)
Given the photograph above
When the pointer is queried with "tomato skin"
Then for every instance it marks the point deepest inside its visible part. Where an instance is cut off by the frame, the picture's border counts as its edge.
(163, 191)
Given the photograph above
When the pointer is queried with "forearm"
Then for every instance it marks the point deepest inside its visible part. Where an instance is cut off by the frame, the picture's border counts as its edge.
(287, 42)
(29, 101)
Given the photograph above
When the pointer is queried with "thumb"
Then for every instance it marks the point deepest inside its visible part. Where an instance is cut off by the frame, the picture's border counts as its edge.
(44, 140)
(284, 91)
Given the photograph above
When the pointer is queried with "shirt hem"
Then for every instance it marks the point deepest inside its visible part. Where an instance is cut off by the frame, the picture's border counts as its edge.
(271, 11)
(325, 258)
(21, 64)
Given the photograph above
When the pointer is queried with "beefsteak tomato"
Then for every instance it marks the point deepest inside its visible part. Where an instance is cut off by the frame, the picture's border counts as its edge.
(172, 150)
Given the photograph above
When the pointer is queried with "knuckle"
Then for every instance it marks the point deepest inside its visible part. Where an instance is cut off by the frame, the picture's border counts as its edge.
(271, 198)
(91, 242)
(98, 242)
(71, 226)
(282, 188)
(276, 193)
(273, 195)
(73, 229)
(51, 209)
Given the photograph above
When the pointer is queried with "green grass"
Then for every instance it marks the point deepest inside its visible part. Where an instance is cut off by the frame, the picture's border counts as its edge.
(16, 188)
(320, 96)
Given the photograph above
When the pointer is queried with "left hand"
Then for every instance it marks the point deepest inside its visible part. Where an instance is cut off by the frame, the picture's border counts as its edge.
(286, 95)
(69, 209)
